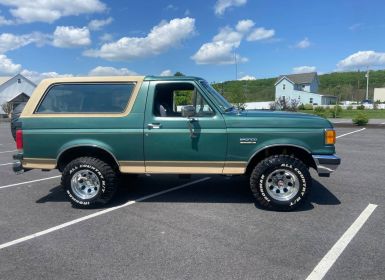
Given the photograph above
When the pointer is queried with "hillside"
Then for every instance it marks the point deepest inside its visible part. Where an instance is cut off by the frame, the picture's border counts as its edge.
(346, 85)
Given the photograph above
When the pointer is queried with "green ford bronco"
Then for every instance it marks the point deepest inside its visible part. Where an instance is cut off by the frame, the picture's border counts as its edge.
(94, 129)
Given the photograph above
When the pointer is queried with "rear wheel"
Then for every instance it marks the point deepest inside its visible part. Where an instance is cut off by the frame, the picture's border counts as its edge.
(280, 182)
(89, 182)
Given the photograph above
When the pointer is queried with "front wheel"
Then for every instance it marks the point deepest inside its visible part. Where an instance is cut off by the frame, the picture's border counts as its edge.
(280, 182)
(89, 182)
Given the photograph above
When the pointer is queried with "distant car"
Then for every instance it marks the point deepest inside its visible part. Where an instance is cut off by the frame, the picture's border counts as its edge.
(367, 101)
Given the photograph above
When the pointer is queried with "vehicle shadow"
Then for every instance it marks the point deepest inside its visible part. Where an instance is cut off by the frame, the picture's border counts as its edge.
(218, 189)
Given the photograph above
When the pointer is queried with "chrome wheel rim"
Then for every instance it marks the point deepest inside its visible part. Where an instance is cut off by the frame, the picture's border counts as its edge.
(85, 184)
(282, 184)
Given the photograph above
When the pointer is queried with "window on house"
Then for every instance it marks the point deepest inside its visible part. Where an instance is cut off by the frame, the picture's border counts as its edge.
(284, 86)
(19, 81)
(311, 100)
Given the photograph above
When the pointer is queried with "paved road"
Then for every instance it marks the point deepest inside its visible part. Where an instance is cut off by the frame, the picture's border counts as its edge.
(206, 230)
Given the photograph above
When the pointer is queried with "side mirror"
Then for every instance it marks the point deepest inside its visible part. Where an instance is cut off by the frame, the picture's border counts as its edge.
(188, 111)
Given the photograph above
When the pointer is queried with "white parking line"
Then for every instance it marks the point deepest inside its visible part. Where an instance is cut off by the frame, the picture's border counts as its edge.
(67, 224)
(3, 152)
(351, 132)
(4, 164)
(28, 182)
(329, 259)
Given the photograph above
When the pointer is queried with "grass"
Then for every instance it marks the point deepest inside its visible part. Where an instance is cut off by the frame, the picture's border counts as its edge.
(350, 114)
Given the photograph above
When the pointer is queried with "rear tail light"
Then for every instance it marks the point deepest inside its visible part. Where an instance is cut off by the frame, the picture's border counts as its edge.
(19, 139)
(330, 137)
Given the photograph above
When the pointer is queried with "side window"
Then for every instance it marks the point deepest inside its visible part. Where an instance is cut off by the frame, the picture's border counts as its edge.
(170, 98)
(86, 98)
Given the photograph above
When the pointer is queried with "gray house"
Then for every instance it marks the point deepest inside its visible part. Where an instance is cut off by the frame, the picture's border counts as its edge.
(303, 87)
(15, 90)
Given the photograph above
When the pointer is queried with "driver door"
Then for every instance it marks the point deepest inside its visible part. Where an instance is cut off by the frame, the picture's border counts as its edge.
(175, 143)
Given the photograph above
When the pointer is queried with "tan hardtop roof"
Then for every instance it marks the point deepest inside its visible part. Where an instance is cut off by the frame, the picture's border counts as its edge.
(92, 79)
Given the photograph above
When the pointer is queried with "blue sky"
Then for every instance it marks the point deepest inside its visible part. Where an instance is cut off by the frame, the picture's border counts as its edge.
(201, 38)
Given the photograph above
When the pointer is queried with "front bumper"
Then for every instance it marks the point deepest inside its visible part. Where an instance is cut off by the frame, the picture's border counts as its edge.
(326, 164)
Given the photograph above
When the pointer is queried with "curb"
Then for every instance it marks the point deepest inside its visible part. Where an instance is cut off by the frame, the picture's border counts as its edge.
(353, 125)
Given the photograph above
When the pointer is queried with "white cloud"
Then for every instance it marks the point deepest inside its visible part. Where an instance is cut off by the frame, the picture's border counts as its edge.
(217, 53)
(304, 69)
(221, 50)
(260, 33)
(222, 5)
(111, 71)
(228, 36)
(27, 11)
(97, 24)
(7, 67)
(4, 21)
(244, 25)
(71, 37)
(172, 7)
(162, 37)
(362, 59)
(106, 37)
(167, 72)
(36, 77)
(248, 78)
(356, 26)
(305, 43)
(9, 41)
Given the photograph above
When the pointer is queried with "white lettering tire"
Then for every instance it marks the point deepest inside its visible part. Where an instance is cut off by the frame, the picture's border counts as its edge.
(89, 182)
(280, 182)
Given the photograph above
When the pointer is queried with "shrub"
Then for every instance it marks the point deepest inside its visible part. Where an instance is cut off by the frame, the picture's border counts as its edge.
(336, 111)
(361, 119)
(301, 107)
(319, 109)
(360, 107)
(350, 107)
(308, 107)
(285, 104)
(322, 115)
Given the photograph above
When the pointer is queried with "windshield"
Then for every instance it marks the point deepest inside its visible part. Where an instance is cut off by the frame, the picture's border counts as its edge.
(220, 100)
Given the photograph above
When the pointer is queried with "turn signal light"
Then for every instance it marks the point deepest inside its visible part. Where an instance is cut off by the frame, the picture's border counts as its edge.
(330, 137)
(19, 139)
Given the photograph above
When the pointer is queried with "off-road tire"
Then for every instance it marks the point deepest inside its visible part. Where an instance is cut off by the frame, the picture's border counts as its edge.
(107, 176)
(15, 117)
(264, 172)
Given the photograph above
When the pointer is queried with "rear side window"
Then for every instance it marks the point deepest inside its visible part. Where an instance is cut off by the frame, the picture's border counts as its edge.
(86, 98)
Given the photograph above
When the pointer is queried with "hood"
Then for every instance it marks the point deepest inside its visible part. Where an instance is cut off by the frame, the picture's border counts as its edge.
(274, 119)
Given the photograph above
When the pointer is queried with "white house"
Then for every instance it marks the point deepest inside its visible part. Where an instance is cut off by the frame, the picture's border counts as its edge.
(379, 94)
(303, 87)
(15, 90)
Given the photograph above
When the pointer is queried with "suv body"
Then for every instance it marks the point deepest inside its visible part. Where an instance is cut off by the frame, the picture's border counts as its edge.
(93, 129)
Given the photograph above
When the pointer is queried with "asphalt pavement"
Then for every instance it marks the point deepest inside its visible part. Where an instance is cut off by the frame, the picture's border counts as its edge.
(206, 228)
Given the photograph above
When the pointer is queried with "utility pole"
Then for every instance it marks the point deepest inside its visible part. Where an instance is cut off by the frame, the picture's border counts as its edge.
(236, 66)
(367, 84)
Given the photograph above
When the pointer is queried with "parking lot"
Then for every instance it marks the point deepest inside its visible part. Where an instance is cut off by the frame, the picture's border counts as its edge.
(206, 227)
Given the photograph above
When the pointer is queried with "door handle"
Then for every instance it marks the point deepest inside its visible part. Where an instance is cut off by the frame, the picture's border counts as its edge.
(154, 125)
